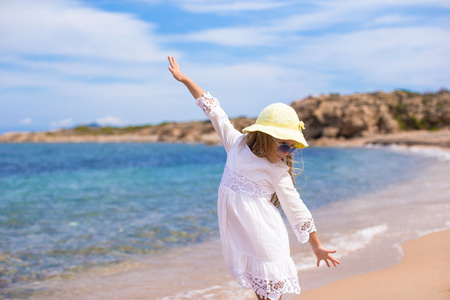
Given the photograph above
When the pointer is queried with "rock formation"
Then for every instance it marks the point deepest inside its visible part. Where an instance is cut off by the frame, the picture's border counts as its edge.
(362, 115)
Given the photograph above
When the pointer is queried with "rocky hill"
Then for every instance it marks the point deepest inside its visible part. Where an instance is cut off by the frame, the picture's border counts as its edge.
(327, 117)
(363, 115)
(189, 132)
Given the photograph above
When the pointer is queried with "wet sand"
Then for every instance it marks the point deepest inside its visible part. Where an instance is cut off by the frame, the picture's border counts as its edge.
(423, 273)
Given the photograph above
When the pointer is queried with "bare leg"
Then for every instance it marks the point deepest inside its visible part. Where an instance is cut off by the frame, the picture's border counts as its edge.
(263, 298)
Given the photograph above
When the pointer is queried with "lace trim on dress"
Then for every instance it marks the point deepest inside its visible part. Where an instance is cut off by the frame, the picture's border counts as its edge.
(242, 185)
(303, 230)
(267, 288)
(207, 103)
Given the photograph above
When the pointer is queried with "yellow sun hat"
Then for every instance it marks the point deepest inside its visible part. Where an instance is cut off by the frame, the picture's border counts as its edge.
(280, 121)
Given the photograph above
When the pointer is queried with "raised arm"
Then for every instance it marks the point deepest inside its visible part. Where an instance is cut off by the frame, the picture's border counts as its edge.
(174, 68)
(210, 106)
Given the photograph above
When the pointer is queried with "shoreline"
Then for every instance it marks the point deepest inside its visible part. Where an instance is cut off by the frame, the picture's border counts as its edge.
(423, 273)
(416, 138)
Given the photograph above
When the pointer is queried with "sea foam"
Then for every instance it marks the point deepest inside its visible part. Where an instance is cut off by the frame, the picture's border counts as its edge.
(346, 243)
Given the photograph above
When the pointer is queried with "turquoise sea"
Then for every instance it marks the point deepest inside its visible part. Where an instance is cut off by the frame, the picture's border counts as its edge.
(66, 208)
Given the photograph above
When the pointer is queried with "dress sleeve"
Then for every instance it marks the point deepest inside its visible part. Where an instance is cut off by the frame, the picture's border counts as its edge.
(226, 131)
(296, 211)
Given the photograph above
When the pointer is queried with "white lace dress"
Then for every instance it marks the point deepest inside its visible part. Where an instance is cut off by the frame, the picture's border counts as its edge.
(254, 237)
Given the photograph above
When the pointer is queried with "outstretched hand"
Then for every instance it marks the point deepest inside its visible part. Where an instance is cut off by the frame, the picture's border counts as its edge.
(175, 69)
(323, 253)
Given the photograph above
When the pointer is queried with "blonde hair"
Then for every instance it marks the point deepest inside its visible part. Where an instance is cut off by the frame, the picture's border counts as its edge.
(261, 144)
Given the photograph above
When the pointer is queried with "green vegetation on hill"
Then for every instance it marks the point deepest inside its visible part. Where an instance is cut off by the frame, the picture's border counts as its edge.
(107, 130)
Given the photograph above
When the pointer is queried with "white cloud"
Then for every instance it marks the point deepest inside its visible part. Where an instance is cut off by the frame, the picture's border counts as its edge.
(207, 6)
(65, 123)
(110, 121)
(235, 37)
(393, 3)
(375, 5)
(63, 74)
(411, 56)
(287, 28)
(222, 6)
(26, 121)
(66, 56)
(391, 19)
(67, 28)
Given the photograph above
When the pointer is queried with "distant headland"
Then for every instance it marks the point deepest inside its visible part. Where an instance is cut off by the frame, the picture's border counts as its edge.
(400, 117)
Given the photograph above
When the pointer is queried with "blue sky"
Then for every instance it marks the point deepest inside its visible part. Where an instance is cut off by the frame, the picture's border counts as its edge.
(65, 63)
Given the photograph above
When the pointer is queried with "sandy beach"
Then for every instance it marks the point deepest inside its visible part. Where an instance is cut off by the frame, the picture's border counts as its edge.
(423, 273)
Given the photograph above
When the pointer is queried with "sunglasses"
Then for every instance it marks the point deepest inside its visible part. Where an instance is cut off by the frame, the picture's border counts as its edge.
(283, 148)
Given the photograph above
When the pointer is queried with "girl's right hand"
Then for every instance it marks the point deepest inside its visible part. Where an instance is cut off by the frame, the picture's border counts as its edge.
(175, 70)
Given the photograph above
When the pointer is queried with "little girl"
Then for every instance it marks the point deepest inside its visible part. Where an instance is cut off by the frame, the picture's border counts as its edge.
(257, 179)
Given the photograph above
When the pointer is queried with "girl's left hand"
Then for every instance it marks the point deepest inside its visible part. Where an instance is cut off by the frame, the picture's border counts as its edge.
(323, 253)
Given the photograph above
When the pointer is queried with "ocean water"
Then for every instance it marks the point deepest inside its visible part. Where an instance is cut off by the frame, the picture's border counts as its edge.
(68, 208)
